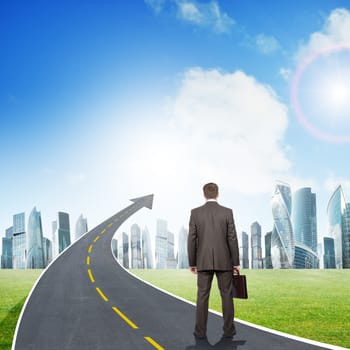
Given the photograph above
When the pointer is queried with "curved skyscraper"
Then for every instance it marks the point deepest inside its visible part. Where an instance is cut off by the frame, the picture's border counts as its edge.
(81, 227)
(282, 240)
(35, 251)
(335, 209)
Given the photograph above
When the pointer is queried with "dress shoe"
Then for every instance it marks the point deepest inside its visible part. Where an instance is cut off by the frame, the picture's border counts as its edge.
(199, 336)
(231, 335)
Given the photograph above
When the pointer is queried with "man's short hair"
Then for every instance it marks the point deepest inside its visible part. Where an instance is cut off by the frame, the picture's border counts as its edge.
(210, 190)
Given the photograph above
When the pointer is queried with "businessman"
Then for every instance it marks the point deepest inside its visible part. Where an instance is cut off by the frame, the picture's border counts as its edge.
(213, 249)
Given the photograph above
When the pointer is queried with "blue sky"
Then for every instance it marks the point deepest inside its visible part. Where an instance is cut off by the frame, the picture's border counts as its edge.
(102, 101)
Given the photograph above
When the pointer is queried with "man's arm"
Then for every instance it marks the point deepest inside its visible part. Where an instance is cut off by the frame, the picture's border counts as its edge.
(232, 240)
(192, 244)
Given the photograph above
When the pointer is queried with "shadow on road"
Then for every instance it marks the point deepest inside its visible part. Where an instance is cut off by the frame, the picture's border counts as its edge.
(223, 344)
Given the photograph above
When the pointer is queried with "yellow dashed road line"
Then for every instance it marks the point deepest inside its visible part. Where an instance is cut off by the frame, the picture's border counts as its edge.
(154, 343)
(119, 313)
(110, 224)
(88, 260)
(90, 248)
(91, 276)
(99, 291)
(115, 220)
(96, 239)
(103, 231)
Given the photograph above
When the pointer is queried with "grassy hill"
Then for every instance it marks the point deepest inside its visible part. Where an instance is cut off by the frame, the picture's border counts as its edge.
(314, 304)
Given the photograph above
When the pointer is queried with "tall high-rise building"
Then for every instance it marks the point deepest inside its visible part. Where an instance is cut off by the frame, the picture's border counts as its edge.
(339, 227)
(255, 239)
(346, 237)
(9, 232)
(328, 257)
(35, 251)
(81, 227)
(135, 242)
(47, 249)
(61, 233)
(244, 250)
(125, 240)
(161, 244)
(182, 249)
(304, 218)
(6, 256)
(305, 229)
(282, 238)
(268, 262)
(19, 242)
(147, 255)
(115, 247)
(171, 262)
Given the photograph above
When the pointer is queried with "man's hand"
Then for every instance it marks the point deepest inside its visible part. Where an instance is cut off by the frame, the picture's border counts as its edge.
(236, 269)
(193, 269)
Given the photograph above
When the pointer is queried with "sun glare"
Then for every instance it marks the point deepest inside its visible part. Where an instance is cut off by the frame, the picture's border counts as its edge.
(339, 94)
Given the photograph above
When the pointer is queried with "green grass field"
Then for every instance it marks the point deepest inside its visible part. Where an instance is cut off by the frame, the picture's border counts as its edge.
(14, 288)
(314, 304)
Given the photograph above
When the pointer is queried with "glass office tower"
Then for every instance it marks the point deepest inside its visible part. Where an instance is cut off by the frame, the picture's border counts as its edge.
(19, 242)
(255, 238)
(335, 211)
(81, 227)
(329, 256)
(182, 249)
(282, 240)
(244, 250)
(161, 244)
(147, 255)
(135, 242)
(35, 251)
(304, 218)
(268, 262)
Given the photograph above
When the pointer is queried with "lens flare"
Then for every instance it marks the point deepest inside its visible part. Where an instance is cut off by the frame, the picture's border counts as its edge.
(329, 93)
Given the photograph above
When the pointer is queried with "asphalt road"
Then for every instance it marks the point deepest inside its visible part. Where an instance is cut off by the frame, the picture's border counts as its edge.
(85, 300)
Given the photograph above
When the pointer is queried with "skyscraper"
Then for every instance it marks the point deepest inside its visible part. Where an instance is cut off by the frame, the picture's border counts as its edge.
(125, 241)
(182, 249)
(81, 227)
(171, 262)
(244, 250)
(47, 248)
(282, 240)
(346, 237)
(35, 252)
(255, 238)
(147, 255)
(19, 242)
(115, 247)
(328, 257)
(161, 244)
(135, 241)
(305, 229)
(61, 233)
(6, 256)
(339, 228)
(268, 262)
(304, 218)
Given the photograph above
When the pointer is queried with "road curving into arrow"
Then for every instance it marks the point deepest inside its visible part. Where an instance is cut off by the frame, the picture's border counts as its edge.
(85, 300)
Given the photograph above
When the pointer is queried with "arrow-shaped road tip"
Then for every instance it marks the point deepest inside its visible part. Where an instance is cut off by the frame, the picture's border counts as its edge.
(145, 201)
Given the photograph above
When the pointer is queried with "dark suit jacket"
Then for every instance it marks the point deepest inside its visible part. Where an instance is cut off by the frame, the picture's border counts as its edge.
(212, 239)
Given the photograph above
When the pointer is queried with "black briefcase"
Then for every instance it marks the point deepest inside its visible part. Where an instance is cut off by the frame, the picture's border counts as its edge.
(239, 286)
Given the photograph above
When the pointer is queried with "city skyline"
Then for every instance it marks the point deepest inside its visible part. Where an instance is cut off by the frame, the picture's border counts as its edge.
(96, 109)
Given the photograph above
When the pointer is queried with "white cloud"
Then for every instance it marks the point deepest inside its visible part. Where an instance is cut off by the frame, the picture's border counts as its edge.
(335, 32)
(205, 15)
(224, 127)
(266, 44)
(156, 5)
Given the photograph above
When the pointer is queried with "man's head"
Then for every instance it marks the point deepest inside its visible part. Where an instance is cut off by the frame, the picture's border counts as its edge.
(211, 191)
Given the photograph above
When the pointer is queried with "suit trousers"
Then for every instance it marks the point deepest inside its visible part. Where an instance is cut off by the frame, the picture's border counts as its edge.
(204, 281)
